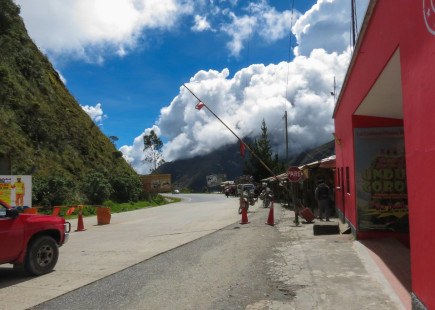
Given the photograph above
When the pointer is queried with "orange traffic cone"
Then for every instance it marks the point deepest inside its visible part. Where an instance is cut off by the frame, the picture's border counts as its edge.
(244, 214)
(80, 226)
(270, 220)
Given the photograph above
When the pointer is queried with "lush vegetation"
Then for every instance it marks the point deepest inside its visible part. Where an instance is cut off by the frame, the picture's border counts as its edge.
(115, 207)
(44, 131)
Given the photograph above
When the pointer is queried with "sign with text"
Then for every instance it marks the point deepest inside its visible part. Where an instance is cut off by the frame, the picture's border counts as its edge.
(156, 182)
(215, 179)
(294, 174)
(380, 177)
(16, 190)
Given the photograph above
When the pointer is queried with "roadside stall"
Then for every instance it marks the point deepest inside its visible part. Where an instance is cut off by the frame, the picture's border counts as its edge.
(301, 192)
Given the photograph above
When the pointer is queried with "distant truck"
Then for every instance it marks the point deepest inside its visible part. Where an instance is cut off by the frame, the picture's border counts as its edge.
(31, 240)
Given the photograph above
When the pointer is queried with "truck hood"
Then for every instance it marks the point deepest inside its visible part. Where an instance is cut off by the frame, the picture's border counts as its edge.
(41, 219)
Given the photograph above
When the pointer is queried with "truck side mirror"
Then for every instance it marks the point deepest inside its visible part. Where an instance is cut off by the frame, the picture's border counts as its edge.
(12, 213)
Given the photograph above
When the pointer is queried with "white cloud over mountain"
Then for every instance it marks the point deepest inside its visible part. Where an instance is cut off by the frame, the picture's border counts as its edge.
(262, 92)
(243, 101)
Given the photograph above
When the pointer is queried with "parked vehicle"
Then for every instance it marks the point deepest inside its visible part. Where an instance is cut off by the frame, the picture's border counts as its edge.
(247, 196)
(266, 196)
(245, 187)
(31, 240)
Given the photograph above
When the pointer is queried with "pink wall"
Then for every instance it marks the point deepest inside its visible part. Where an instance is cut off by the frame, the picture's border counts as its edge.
(418, 90)
(394, 24)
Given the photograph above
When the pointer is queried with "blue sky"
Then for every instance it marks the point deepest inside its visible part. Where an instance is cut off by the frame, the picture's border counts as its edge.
(125, 62)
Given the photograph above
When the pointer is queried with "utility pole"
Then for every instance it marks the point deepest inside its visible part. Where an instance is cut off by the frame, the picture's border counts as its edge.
(353, 18)
(334, 92)
(286, 140)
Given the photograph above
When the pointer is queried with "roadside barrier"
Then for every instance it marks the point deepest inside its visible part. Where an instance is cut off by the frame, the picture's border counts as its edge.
(244, 214)
(270, 220)
(80, 226)
(57, 209)
(102, 212)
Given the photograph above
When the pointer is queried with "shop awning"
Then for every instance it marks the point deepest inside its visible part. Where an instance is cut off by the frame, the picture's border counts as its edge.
(327, 163)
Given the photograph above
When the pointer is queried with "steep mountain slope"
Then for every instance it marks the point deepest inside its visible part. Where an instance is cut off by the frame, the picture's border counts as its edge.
(43, 130)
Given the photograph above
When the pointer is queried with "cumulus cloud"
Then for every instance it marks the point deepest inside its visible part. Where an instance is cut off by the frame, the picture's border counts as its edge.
(134, 154)
(89, 28)
(326, 25)
(261, 20)
(243, 101)
(95, 113)
(302, 87)
(201, 24)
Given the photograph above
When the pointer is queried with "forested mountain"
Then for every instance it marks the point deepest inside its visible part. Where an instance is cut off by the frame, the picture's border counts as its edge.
(43, 130)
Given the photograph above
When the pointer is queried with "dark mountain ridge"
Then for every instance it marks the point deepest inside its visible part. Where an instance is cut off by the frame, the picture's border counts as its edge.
(192, 172)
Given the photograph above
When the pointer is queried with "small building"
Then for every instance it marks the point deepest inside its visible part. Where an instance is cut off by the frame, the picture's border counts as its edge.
(385, 135)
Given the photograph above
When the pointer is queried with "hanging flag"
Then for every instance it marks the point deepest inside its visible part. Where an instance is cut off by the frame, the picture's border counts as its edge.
(199, 105)
(242, 149)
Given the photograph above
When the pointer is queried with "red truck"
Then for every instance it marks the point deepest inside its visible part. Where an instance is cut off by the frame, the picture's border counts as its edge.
(31, 240)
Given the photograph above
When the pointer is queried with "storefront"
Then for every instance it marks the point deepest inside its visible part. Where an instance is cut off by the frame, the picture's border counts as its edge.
(385, 135)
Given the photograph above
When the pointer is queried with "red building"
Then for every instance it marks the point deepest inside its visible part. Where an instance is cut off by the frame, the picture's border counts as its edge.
(385, 135)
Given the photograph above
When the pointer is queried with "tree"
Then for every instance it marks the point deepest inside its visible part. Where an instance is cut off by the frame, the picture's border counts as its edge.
(153, 150)
(52, 191)
(261, 147)
(113, 139)
(97, 188)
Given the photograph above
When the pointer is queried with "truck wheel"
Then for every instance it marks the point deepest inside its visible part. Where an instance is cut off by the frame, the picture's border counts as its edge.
(41, 257)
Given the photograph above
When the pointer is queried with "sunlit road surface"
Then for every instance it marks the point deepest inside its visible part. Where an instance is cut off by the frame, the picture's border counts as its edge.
(130, 238)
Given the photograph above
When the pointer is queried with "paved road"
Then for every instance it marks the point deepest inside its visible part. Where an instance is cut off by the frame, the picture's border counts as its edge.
(131, 238)
(223, 270)
(303, 272)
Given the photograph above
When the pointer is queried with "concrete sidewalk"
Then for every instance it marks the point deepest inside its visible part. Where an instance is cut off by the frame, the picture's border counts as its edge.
(337, 272)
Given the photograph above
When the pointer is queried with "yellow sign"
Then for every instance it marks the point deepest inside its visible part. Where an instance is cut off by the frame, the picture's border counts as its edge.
(16, 190)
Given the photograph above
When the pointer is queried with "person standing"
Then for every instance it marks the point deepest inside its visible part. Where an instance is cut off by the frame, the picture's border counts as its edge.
(322, 196)
(20, 190)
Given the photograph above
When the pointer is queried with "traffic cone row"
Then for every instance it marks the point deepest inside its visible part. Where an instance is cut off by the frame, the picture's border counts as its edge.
(270, 220)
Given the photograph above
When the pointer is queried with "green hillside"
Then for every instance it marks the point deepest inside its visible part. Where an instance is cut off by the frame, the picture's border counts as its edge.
(43, 130)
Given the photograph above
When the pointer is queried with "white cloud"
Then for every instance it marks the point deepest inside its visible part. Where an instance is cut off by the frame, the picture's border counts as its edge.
(62, 78)
(135, 155)
(201, 24)
(326, 25)
(262, 20)
(243, 101)
(90, 28)
(262, 92)
(95, 113)
(93, 29)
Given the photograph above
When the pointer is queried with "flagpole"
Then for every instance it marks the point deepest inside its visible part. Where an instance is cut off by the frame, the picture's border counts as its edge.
(241, 141)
